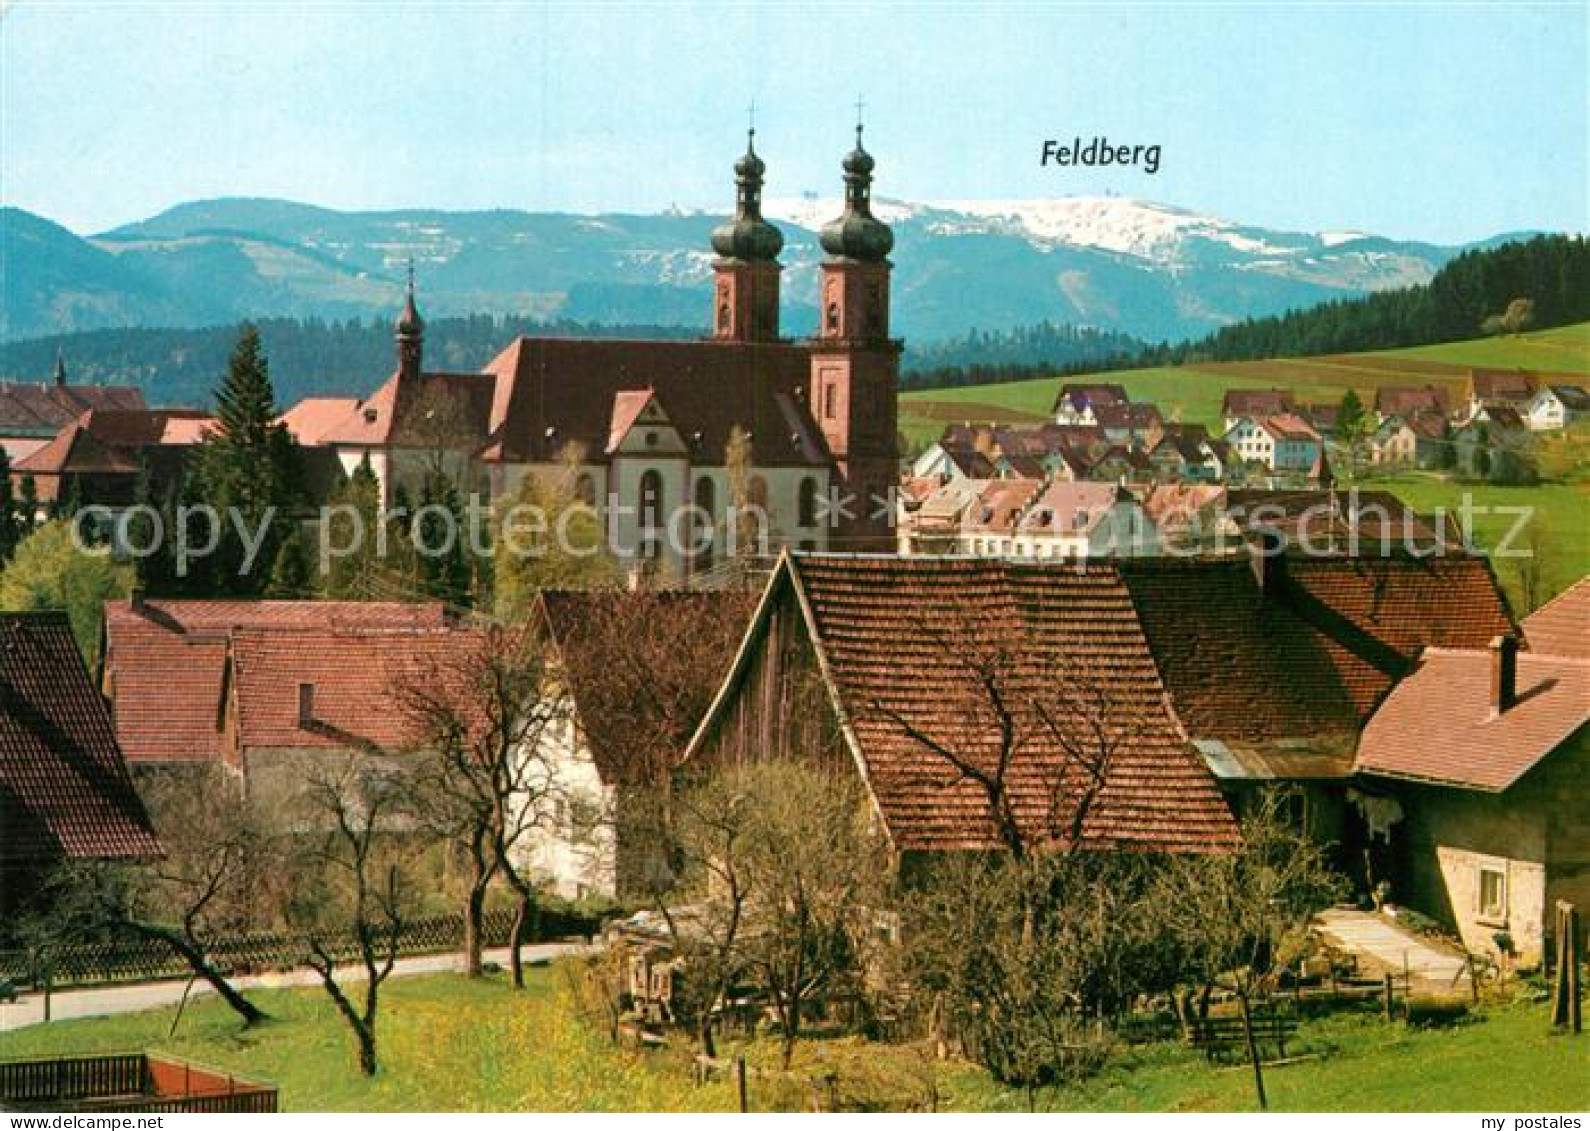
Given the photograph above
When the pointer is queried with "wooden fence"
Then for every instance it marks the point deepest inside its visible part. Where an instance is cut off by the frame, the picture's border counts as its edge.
(138, 960)
(122, 1082)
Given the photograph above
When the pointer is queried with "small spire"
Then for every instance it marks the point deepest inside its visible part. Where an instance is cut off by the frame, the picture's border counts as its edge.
(60, 366)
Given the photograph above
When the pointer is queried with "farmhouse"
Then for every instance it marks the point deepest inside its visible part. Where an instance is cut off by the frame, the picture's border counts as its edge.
(869, 665)
(1281, 443)
(65, 793)
(1254, 403)
(202, 686)
(638, 670)
(1487, 752)
(1556, 406)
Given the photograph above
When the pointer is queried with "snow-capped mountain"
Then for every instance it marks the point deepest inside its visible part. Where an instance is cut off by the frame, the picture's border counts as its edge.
(1147, 269)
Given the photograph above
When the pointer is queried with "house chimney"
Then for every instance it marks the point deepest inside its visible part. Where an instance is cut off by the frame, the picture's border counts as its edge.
(1504, 672)
(306, 704)
(1267, 555)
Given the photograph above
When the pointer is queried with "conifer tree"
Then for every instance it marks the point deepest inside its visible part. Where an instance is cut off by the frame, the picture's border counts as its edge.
(10, 514)
(353, 514)
(247, 465)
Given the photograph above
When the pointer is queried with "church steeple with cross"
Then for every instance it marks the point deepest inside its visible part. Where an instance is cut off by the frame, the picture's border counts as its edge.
(746, 288)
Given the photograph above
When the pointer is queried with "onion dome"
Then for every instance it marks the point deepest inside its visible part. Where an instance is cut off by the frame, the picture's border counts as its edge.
(748, 237)
(858, 234)
(409, 323)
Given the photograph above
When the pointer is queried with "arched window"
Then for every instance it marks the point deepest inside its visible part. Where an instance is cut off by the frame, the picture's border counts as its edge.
(706, 497)
(651, 502)
(723, 318)
(807, 502)
(833, 317)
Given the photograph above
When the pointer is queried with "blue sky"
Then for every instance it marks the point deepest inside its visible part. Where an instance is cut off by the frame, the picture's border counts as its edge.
(1445, 122)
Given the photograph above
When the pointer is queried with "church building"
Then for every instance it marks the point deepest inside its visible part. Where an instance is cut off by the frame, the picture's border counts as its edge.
(650, 425)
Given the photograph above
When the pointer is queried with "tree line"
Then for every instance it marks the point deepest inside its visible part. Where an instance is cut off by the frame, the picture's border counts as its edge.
(1539, 283)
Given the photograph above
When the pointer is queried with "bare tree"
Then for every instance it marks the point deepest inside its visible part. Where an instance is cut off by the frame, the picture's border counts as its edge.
(486, 714)
(209, 884)
(352, 864)
(786, 880)
(1233, 912)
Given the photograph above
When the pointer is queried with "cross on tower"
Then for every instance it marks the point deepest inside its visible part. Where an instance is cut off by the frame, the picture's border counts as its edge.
(860, 107)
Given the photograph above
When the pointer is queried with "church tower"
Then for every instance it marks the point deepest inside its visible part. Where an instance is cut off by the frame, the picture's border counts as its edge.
(855, 364)
(745, 290)
(410, 337)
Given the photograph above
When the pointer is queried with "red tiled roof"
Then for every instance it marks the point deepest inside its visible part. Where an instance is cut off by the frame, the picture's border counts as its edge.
(108, 441)
(1082, 396)
(888, 629)
(30, 408)
(1503, 384)
(312, 419)
(1072, 508)
(1288, 426)
(165, 663)
(550, 391)
(1405, 400)
(1123, 415)
(1440, 725)
(1561, 627)
(356, 675)
(1256, 402)
(64, 789)
(1000, 504)
(1316, 654)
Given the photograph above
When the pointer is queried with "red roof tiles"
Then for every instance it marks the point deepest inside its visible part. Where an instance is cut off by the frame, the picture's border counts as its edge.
(166, 663)
(1561, 627)
(64, 789)
(897, 636)
(1441, 726)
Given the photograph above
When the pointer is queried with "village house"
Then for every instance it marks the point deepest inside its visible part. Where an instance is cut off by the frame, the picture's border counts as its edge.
(1079, 404)
(1393, 444)
(100, 456)
(1129, 423)
(65, 793)
(609, 756)
(1494, 443)
(1186, 453)
(1274, 659)
(1253, 404)
(1486, 754)
(1408, 401)
(931, 524)
(1498, 388)
(988, 523)
(1083, 520)
(852, 661)
(33, 414)
(253, 689)
(652, 424)
(1556, 406)
(1285, 443)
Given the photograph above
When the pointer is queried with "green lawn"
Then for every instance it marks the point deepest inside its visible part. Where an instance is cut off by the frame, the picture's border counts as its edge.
(1192, 393)
(1561, 510)
(448, 1044)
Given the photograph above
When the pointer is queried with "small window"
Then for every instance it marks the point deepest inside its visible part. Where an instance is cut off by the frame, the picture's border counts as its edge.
(807, 502)
(830, 401)
(723, 318)
(1493, 892)
(833, 317)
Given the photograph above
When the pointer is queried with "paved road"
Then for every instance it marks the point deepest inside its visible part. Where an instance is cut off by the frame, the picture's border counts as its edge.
(1389, 945)
(107, 1000)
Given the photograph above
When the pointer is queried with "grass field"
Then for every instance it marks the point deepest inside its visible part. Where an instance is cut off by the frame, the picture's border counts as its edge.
(1193, 392)
(452, 1045)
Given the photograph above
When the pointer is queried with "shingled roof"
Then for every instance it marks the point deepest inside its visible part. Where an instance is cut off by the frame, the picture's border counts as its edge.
(64, 789)
(1313, 651)
(1442, 726)
(1561, 627)
(41, 408)
(166, 663)
(890, 632)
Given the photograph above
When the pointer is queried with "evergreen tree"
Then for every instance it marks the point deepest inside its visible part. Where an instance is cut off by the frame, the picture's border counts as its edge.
(1350, 420)
(292, 577)
(354, 513)
(247, 466)
(10, 514)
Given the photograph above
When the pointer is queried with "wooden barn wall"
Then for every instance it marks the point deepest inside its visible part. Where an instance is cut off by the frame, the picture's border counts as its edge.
(779, 708)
